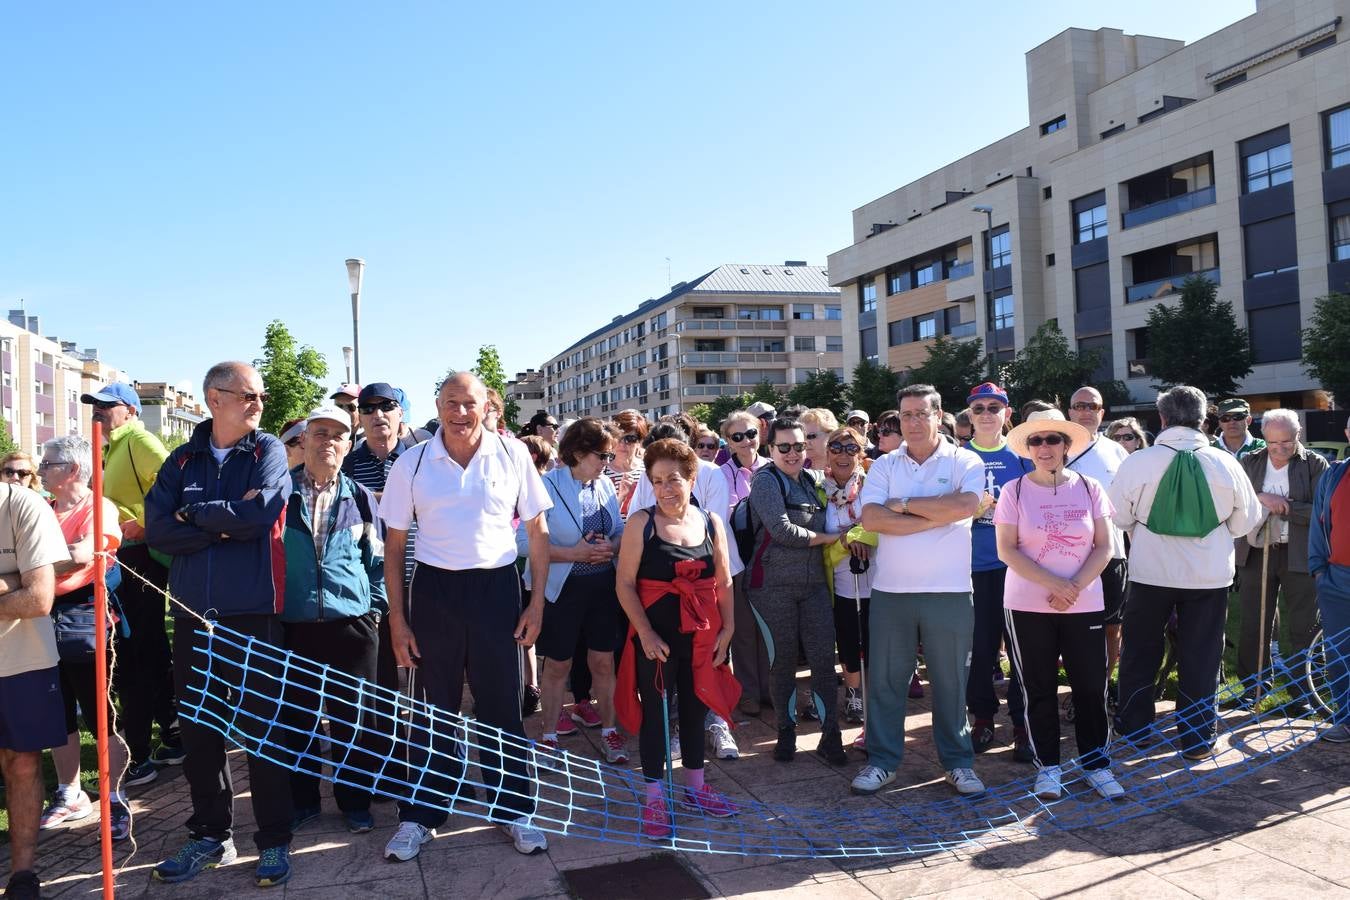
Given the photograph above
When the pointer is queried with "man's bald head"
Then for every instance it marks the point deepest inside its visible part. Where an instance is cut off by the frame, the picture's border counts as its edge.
(1087, 408)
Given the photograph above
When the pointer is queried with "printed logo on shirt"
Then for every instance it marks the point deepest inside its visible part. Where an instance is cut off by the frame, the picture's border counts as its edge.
(193, 487)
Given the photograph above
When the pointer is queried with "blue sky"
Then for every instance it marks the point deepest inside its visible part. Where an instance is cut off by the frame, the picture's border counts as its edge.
(177, 175)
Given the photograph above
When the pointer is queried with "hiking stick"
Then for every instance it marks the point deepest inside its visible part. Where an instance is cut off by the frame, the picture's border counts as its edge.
(1261, 624)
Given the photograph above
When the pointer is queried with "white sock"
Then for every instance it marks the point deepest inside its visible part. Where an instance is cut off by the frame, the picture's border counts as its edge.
(551, 736)
(69, 791)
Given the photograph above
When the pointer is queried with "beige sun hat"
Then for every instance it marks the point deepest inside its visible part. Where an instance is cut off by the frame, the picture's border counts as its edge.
(1047, 420)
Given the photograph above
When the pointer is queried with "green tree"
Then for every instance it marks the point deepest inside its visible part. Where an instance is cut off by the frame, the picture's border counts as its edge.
(821, 389)
(1197, 341)
(715, 413)
(1047, 368)
(7, 442)
(1326, 346)
(766, 392)
(953, 367)
(489, 370)
(292, 375)
(873, 387)
(171, 441)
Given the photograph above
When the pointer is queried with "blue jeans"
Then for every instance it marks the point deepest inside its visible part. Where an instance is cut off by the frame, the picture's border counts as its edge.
(1336, 631)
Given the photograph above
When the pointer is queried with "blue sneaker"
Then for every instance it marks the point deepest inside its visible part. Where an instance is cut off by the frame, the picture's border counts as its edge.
(194, 856)
(359, 821)
(274, 866)
(303, 816)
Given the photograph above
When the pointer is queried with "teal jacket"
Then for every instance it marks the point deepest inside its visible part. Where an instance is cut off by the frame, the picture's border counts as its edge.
(350, 581)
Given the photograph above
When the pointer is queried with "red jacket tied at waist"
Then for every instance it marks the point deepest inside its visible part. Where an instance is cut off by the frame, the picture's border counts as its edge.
(699, 615)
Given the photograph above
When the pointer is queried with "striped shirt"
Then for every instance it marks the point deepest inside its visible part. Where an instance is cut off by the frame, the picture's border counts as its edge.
(368, 470)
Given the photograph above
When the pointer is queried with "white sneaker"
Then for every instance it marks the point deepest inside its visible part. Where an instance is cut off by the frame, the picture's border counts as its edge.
(871, 779)
(965, 781)
(407, 841)
(724, 745)
(674, 745)
(526, 838)
(615, 751)
(1049, 783)
(1104, 783)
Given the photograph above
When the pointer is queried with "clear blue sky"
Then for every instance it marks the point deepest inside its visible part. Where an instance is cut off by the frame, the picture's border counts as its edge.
(175, 176)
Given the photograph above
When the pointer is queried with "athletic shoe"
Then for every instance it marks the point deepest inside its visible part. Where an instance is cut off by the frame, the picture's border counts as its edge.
(655, 819)
(304, 816)
(860, 742)
(1337, 734)
(724, 745)
(168, 755)
(808, 713)
(119, 821)
(915, 688)
(529, 701)
(274, 867)
(1049, 784)
(585, 714)
(870, 780)
(1022, 751)
(565, 725)
(139, 773)
(709, 801)
(853, 706)
(965, 781)
(612, 744)
(525, 837)
(23, 886)
(1104, 783)
(194, 856)
(64, 809)
(786, 748)
(549, 744)
(358, 821)
(982, 735)
(407, 841)
(1199, 752)
(674, 745)
(831, 748)
(750, 706)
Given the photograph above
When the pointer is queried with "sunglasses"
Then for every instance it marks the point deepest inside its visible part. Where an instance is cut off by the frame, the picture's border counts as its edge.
(293, 442)
(15, 473)
(383, 406)
(630, 438)
(887, 432)
(346, 407)
(605, 457)
(106, 404)
(1233, 417)
(992, 409)
(850, 448)
(748, 434)
(49, 464)
(1083, 406)
(1126, 436)
(248, 396)
(1050, 440)
(791, 448)
(704, 446)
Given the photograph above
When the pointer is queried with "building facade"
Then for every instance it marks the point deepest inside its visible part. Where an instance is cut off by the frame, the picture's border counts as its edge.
(1144, 161)
(527, 389)
(720, 334)
(169, 412)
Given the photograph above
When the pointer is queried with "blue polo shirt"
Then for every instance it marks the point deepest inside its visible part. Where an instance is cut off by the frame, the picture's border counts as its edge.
(1001, 466)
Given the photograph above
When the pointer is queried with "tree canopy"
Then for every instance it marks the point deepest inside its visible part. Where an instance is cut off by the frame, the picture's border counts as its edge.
(1326, 346)
(873, 387)
(953, 367)
(1197, 341)
(489, 370)
(292, 376)
(821, 389)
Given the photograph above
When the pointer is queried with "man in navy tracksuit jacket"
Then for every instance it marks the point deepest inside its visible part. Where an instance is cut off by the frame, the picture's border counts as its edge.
(217, 507)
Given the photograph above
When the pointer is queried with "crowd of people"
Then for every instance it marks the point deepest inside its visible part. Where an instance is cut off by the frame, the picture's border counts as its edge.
(668, 576)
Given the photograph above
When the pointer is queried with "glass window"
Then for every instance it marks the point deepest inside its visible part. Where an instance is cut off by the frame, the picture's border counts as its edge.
(896, 281)
(803, 311)
(1055, 125)
(1001, 312)
(868, 297)
(1091, 224)
(926, 274)
(927, 328)
(804, 343)
(869, 344)
(1000, 249)
(834, 313)
(1340, 238)
(834, 343)
(1268, 168)
(1338, 138)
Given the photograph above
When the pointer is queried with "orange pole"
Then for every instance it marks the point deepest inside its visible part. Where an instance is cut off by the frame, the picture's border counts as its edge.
(101, 666)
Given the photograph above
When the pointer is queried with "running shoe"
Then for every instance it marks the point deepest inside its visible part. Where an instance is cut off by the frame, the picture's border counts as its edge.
(724, 745)
(1049, 783)
(965, 781)
(709, 801)
(615, 751)
(358, 821)
(585, 714)
(194, 856)
(407, 841)
(140, 773)
(870, 780)
(274, 866)
(565, 725)
(119, 821)
(168, 755)
(66, 808)
(655, 819)
(853, 706)
(525, 837)
(1105, 784)
(1337, 734)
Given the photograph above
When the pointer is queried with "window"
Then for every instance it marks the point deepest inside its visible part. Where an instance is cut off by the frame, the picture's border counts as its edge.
(925, 274)
(1091, 224)
(868, 338)
(867, 296)
(1055, 125)
(1340, 237)
(764, 313)
(1270, 247)
(1000, 249)
(1266, 160)
(834, 343)
(710, 378)
(1049, 260)
(1112, 132)
(896, 281)
(900, 332)
(1324, 43)
(1274, 333)
(927, 327)
(1047, 193)
(709, 312)
(761, 345)
(1338, 138)
(803, 311)
(807, 344)
(1230, 82)
(834, 313)
(1001, 311)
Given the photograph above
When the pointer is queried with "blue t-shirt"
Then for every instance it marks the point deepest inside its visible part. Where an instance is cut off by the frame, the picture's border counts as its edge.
(1000, 467)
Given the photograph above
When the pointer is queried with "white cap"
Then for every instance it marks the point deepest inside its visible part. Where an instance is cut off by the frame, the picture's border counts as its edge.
(330, 414)
(858, 414)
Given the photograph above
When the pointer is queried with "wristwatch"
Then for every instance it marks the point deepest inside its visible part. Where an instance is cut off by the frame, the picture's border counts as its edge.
(904, 506)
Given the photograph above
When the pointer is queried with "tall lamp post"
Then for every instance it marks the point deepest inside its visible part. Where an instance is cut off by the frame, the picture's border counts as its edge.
(356, 269)
(347, 361)
(988, 253)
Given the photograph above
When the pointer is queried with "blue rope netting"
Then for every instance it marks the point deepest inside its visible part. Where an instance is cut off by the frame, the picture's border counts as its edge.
(271, 703)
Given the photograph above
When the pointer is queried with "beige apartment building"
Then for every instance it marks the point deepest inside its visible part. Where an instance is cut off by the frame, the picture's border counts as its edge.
(168, 412)
(722, 333)
(1144, 161)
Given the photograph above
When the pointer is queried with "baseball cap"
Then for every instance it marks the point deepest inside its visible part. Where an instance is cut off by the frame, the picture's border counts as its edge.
(330, 414)
(346, 390)
(117, 392)
(291, 430)
(858, 414)
(987, 391)
(761, 410)
(1234, 405)
(377, 390)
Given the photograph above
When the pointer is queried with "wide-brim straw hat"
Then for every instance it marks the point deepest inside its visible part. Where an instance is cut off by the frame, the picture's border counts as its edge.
(1042, 421)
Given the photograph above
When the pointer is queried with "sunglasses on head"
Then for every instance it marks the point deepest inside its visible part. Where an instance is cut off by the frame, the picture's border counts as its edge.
(16, 473)
(702, 445)
(1050, 440)
(1233, 417)
(748, 434)
(850, 448)
(383, 406)
(630, 438)
(790, 448)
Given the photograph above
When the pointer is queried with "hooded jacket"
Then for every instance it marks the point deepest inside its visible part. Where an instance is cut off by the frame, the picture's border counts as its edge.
(349, 580)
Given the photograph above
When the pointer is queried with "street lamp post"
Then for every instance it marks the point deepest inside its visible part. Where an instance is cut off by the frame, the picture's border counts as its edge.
(347, 361)
(356, 269)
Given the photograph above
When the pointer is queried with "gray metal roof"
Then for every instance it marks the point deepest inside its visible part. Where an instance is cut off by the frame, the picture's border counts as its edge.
(760, 279)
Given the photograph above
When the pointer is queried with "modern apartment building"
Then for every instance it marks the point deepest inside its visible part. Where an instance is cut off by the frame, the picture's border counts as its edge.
(43, 379)
(722, 333)
(1144, 161)
(527, 389)
(167, 411)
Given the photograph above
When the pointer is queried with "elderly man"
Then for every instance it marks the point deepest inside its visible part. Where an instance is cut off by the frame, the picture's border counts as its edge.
(464, 617)
(1176, 568)
(1329, 563)
(347, 398)
(334, 599)
(1100, 460)
(1234, 414)
(920, 499)
(217, 507)
(1284, 475)
(766, 413)
(32, 717)
(131, 460)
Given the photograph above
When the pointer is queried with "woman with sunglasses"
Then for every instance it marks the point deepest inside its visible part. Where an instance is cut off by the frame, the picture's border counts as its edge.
(787, 587)
(626, 470)
(1054, 535)
(20, 468)
(292, 435)
(816, 427)
(706, 444)
(887, 433)
(1128, 433)
(749, 653)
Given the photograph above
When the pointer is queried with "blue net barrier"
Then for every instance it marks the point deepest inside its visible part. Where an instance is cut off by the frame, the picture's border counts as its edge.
(272, 703)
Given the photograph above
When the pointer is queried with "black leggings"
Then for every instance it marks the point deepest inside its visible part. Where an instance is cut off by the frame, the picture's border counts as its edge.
(851, 650)
(677, 674)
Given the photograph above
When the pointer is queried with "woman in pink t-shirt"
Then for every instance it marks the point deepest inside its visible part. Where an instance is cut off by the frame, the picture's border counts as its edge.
(1053, 531)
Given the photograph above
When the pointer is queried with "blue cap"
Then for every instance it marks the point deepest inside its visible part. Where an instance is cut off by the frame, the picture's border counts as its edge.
(987, 391)
(403, 402)
(117, 392)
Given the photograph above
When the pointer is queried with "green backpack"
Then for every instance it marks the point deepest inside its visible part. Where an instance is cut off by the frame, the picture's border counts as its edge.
(1183, 505)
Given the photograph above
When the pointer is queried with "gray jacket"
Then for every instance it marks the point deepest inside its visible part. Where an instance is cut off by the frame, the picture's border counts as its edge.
(789, 521)
(1305, 469)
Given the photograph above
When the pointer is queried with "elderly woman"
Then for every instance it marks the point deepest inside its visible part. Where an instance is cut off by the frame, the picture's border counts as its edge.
(787, 587)
(1284, 474)
(843, 513)
(66, 467)
(583, 529)
(817, 424)
(705, 443)
(626, 469)
(1053, 531)
(888, 433)
(674, 582)
(21, 469)
(1128, 433)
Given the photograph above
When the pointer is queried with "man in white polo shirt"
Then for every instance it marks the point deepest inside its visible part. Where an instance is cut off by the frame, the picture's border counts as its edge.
(920, 499)
(463, 607)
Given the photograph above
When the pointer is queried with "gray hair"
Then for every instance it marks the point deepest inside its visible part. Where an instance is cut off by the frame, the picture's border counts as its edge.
(1285, 417)
(1182, 406)
(472, 379)
(223, 374)
(72, 449)
(927, 392)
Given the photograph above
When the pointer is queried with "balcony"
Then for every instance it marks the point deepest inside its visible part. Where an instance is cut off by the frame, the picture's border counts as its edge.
(730, 325)
(44, 403)
(1161, 287)
(963, 330)
(730, 358)
(1170, 207)
(961, 270)
(714, 390)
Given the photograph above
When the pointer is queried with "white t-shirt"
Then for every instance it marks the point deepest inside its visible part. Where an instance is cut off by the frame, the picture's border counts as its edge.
(1277, 482)
(936, 561)
(1100, 462)
(464, 513)
(30, 537)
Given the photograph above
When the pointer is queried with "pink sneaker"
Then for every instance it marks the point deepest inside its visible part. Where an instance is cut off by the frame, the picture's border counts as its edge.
(64, 809)
(655, 820)
(860, 742)
(709, 801)
(585, 714)
(615, 751)
(565, 725)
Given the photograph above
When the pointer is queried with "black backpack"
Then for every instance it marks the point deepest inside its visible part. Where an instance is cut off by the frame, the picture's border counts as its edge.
(745, 528)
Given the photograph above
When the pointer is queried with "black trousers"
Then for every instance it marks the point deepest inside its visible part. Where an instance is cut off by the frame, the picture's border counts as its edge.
(676, 675)
(464, 622)
(990, 630)
(1200, 620)
(347, 645)
(851, 644)
(1038, 642)
(206, 767)
(144, 676)
(1297, 596)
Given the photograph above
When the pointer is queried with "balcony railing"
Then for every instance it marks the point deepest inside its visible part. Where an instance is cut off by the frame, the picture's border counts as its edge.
(961, 270)
(1161, 287)
(730, 325)
(964, 330)
(1170, 207)
(730, 358)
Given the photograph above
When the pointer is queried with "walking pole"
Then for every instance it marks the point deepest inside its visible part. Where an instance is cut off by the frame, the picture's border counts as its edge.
(857, 567)
(101, 667)
(1261, 624)
(670, 763)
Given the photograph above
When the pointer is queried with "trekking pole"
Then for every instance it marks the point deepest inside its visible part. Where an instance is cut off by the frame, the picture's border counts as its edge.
(857, 567)
(665, 728)
(1261, 624)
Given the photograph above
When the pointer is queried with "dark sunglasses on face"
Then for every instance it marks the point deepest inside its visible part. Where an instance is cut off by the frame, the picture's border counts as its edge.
(383, 406)
(630, 439)
(605, 457)
(992, 409)
(293, 442)
(1050, 440)
(248, 396)
(16, 473)
(701, 445)
(1233, 417)
(748, 434)
(1125, 436)
(887, 432)
(813, 435)
(1085, 406)
(850, 448)
(106, 404)
(791, 448)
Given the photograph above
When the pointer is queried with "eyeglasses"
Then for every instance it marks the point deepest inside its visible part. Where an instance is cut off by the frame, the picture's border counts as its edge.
(347, 407)
(293, 442)
(748, 434)
(48, 464)
(383, 406)
(1050, 440)
(1084, 406)
(15, 473)
(553, 425)
(701, 445)
(916, 416)
(107, 404)
(630, 438)
(249, 396)
(991, 409)
(1124, 436)
(605, 457)
(850, 448)
(1233, 417)
(887, 432)
(790, 448)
